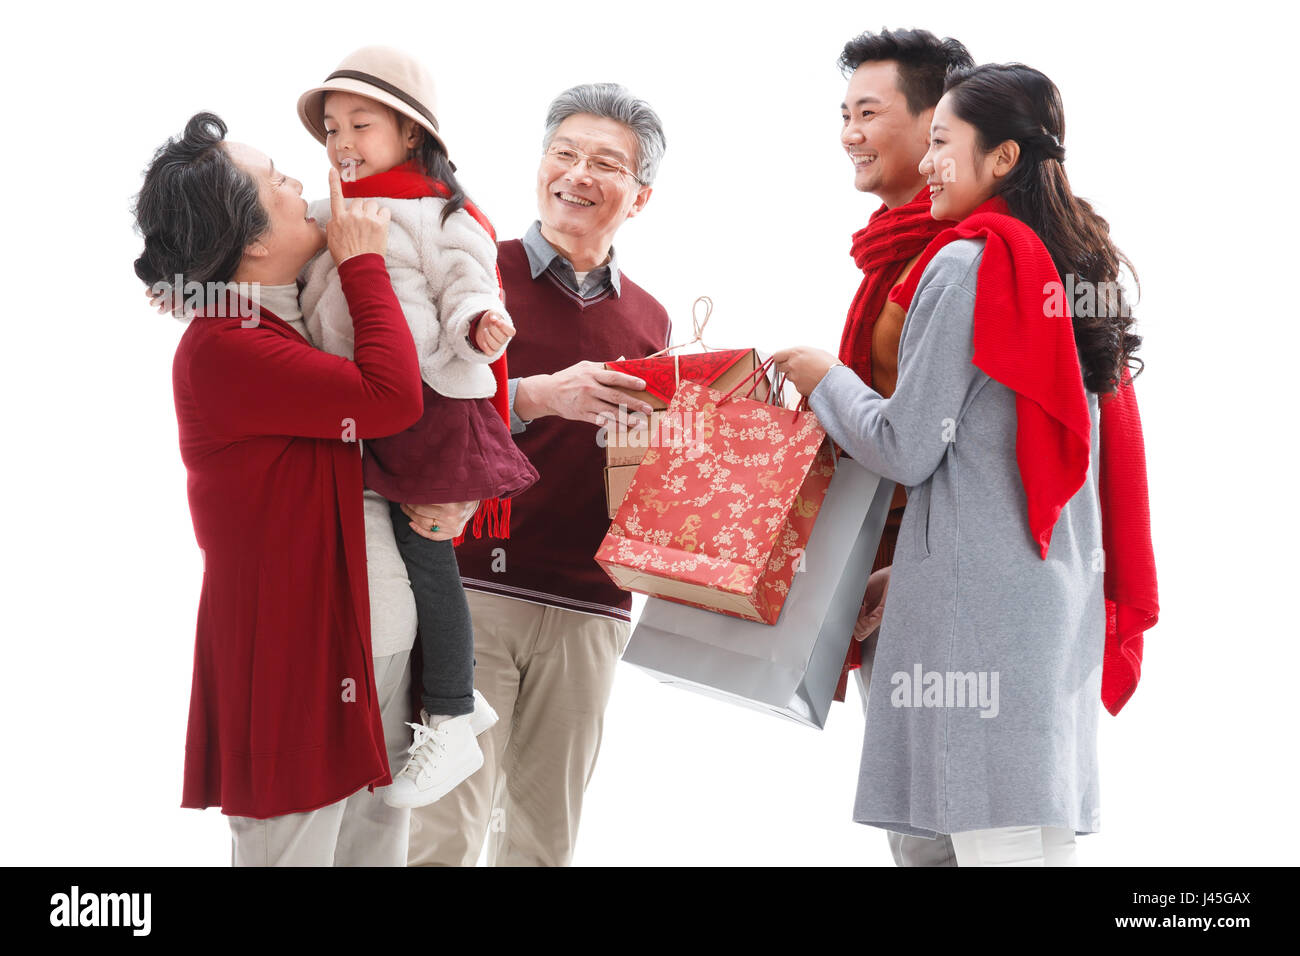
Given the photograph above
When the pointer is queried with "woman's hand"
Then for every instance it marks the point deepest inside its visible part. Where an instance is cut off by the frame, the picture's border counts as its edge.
(804, 367)
(873, 605)
(494, 330)
(449, 519)
(354, 228)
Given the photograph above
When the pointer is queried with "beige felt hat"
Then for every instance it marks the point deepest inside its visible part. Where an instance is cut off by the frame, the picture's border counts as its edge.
(382, 73)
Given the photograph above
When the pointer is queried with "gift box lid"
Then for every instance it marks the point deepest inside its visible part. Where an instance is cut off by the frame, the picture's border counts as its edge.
(663, 372)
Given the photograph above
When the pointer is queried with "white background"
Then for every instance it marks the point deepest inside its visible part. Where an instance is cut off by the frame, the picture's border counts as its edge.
(1180, 127)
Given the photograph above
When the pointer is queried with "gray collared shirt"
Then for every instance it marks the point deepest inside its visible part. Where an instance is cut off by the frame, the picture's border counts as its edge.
(543, 256)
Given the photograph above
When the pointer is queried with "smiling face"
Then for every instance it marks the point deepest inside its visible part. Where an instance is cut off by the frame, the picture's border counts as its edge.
(292, 237)
(960, 177)
(883, 139)
(364, 137)
(582, 207)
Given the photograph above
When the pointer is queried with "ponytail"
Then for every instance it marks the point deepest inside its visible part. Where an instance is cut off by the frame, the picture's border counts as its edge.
(434, 163)
(1015, 102)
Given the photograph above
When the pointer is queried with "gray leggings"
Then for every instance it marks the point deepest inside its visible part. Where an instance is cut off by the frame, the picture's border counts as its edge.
(445, 630)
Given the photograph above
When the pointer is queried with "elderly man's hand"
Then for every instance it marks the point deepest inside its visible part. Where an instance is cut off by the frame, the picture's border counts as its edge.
(450, 519)
(585, 392)
(804, 367)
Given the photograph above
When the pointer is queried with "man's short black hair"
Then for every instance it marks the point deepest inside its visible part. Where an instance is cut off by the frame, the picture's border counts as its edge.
(923, 61)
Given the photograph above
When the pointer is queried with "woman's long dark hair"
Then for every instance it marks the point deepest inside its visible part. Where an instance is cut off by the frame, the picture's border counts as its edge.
(1011, 101)
(434, 162)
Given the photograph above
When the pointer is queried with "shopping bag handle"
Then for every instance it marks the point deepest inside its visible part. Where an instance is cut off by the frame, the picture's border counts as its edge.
(774, 396)
(697, 328)
(760, 372)
(800, 406)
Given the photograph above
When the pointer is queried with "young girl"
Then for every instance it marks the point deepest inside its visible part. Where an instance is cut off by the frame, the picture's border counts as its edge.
(375, 115)
(1024, 577)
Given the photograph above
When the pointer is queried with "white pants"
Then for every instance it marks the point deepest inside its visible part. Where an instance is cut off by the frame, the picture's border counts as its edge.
(360, 830)
(1015, 846)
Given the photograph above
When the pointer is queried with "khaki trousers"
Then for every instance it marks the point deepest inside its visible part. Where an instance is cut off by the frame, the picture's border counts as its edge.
(360, 830)
(547, 672)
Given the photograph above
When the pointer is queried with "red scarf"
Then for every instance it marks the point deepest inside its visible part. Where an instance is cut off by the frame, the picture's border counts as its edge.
(1018, 345)
(890, 239)
(407, 181)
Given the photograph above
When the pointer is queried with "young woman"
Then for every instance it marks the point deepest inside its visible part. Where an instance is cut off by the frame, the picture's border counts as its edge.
(1014, 429)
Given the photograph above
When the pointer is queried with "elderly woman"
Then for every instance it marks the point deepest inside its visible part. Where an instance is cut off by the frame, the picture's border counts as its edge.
(285, 728)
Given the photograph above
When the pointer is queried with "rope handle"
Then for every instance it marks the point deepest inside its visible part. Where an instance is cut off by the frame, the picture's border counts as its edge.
(799, 407)
(697, 328)
(774, 396)
(760, 371)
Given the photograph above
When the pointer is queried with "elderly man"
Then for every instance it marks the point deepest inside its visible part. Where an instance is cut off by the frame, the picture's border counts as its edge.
(549, 625)
(895, 79)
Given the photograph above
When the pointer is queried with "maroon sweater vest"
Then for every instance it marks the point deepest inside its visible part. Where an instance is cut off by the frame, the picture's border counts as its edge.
(557, 524)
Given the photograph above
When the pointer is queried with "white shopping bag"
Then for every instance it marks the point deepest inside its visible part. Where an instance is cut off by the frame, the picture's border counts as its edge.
(790, 668)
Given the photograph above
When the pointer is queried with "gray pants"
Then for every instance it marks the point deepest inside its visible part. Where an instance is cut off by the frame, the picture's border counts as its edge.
(360, 830)
(446, 632)
(908, 850)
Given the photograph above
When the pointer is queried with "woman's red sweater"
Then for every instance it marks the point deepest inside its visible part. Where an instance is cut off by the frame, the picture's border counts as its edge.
(283, 709)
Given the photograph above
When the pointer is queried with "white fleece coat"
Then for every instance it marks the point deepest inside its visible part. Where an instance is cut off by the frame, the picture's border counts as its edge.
(444, 275)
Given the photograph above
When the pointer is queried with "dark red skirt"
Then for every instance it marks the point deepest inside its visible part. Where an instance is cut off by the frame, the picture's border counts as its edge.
(459, 450)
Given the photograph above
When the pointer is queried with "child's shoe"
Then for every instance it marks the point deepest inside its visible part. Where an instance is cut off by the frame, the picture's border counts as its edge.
(483, 717)
(442, 756)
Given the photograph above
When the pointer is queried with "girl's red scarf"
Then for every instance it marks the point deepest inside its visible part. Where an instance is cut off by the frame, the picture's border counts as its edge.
(406, 181)
(1020, 344)
(890, 239)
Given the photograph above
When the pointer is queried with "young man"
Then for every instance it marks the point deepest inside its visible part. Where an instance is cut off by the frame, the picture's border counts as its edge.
(895, 79)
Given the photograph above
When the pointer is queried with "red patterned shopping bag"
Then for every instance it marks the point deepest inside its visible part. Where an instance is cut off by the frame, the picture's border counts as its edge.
(719, 516)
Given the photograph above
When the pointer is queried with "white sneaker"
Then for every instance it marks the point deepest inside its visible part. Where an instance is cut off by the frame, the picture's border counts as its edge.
(442, 756)
(483, 717)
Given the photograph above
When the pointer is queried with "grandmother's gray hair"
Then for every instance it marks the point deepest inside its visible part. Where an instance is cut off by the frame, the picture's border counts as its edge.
(614, 102)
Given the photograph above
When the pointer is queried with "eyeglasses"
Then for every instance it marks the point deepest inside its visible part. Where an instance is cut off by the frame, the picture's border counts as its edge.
(602, 167)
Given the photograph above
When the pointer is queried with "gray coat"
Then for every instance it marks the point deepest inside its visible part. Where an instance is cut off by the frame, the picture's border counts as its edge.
(1001, 727)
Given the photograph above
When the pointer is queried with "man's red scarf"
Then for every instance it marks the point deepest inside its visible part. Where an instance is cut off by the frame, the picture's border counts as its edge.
(1019, 344)
(407, 181)
(890, 239)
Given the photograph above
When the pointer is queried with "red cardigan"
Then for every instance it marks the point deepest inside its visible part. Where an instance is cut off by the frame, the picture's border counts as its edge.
(276, 498)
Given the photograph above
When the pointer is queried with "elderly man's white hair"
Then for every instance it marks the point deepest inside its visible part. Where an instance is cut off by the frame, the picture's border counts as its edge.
(614, 102)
